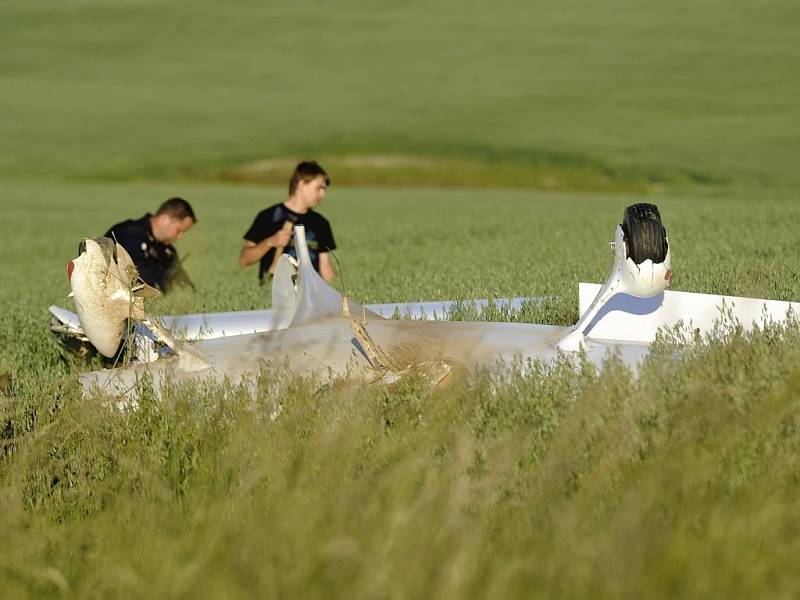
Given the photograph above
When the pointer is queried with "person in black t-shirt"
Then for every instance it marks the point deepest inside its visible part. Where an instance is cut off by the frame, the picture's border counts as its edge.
(270, 233)
(149, 239)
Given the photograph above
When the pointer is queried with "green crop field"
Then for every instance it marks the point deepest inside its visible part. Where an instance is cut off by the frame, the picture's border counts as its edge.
(697, 92)
(476, 150)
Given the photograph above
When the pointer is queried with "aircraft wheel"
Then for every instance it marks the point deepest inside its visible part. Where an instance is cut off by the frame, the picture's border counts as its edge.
(645, 236)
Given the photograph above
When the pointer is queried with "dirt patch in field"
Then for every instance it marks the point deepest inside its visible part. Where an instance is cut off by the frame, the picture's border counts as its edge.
(6, 382)
(259, 168)
(408, 171)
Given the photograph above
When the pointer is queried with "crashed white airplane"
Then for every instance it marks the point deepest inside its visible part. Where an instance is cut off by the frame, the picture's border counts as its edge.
(314, 331)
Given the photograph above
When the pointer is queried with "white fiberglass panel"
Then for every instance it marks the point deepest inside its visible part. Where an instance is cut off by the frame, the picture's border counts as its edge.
(626, 318)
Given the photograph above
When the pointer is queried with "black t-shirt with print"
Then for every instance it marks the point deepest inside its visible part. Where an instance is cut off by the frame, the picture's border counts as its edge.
(269, 221)
(153, 259)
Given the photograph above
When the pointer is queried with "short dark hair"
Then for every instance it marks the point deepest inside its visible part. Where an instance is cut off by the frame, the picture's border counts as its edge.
(306, 171)
(178, 208)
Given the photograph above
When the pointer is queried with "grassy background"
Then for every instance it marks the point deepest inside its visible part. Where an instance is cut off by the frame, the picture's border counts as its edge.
(697, 92)
(564, 481)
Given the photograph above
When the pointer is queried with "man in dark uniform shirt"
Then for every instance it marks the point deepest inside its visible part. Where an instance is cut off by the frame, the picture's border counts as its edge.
(149, 240)
(269, 230)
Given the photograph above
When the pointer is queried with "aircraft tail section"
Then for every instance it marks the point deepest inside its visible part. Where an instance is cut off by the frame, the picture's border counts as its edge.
(316, 298)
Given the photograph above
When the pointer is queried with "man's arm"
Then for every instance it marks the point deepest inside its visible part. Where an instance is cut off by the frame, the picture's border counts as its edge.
(326, 267)
(253, 252)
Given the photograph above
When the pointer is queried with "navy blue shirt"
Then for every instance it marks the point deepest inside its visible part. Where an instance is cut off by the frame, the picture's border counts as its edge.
(319, 236)
(152, 258)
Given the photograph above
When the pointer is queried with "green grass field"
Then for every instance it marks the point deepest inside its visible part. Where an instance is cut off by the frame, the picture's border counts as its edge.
(476, 150)
(699, 93)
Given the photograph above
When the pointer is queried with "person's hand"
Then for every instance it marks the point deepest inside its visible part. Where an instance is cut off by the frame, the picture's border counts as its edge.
(280, 238)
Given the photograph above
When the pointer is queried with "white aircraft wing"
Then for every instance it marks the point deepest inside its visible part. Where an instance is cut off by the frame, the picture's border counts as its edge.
(203, 326)
(630, 319)
(327, 349)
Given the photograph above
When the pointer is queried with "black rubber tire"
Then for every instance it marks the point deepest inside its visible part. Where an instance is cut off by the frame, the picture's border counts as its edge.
(645, 236)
